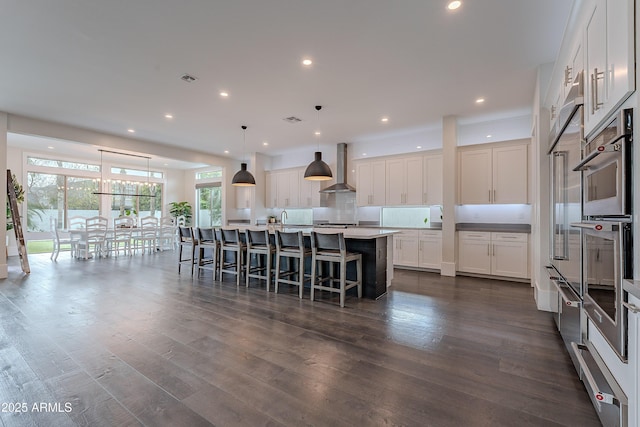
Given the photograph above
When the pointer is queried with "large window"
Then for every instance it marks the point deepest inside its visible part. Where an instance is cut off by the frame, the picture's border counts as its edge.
(209, 209)
(53, 196)
(134, 199)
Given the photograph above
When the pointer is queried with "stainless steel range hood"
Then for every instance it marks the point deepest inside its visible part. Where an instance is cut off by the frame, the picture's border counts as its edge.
(341, 185)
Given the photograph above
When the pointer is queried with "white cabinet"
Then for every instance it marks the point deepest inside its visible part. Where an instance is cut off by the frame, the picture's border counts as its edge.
(498, 254)
(494, 175)
(430, 249)
(609, 59)
(371, 183)
(432, 180)
(244, 196)
(404, 181)
(474, 252)
(309, 192)
(405, 249)
(271, 190)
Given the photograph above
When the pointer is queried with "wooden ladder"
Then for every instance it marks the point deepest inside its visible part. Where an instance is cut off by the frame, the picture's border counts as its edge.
(17, 226)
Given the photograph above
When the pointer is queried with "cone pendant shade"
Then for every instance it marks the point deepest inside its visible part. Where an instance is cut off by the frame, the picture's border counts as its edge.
(318, 170)
(243, 177)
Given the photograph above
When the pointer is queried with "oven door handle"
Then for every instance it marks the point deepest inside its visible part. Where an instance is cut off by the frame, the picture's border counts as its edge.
(600, 226)
(631, 307)
(569, 300)
(600, 396)
(609, 147)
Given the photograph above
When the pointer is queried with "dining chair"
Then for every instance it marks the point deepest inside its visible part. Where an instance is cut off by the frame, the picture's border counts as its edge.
(167, 231)
(121, 235)
(290, 245)
(93, 239)
(188, 243)
(259, 244)
(60, 238)
(145, 237)
(208, 252)
(331, 248)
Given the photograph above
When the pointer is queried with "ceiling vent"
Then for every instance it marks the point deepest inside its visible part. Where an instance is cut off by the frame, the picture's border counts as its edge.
(188, 78)
(292, 120)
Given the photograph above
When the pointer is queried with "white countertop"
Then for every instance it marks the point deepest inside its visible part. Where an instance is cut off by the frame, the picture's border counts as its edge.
(349, 233)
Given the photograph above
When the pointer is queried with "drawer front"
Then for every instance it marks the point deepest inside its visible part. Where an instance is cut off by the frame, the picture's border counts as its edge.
(509, 237)
(430, 234)
(474, 235)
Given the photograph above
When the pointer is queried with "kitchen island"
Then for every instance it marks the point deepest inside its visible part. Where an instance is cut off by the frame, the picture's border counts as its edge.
(374, 244)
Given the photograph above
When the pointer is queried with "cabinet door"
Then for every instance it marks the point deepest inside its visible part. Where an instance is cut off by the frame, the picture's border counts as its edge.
(282, 190)
(596, 63)
(378, 183)
(243, 197)
(364, 184)
(620, 54)
(430, 252)
(510, 255)
(270, 191)
(475, 177)
(474, 253)
(309, 191)
(432, 183)
(408, 253)
(413, 181)
(510, 170)
(294, 189)
(396, 182)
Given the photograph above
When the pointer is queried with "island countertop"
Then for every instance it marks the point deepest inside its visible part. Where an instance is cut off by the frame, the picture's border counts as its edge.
(349, 233)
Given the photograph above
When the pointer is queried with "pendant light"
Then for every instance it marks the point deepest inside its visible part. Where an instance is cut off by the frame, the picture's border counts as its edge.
(243, 177)
(318, 170)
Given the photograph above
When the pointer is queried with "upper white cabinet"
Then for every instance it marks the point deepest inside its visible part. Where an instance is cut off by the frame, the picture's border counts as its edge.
(288, 189)
(494, 175)
(244, 196)
(609, 59)
(432, 180)
(404, 181)
(371, 183)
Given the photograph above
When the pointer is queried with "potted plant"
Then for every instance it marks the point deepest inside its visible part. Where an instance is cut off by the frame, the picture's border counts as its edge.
(177, 209)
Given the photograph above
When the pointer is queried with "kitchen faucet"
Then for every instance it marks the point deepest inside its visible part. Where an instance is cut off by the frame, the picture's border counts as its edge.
(283, 216)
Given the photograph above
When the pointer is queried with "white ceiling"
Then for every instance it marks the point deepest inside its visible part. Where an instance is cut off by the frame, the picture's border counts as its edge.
(114, 65)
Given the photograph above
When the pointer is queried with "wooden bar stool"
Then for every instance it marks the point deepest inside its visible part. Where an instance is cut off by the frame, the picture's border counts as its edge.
(188, 242)
(259, 244)
(291, 246)
(207, 243)
(231, 242)
(332, 248)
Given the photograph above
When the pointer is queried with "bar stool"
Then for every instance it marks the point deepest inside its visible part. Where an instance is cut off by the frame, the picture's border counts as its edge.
(207, 243)
(332, 248)
(259, 244)
(188, 242)
(291, 246)
(230, 242)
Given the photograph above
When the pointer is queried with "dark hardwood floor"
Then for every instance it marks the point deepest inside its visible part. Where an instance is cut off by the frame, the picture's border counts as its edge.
(127, 341)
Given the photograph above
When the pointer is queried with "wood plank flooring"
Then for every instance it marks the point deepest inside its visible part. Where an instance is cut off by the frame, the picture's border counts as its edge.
(127, 341)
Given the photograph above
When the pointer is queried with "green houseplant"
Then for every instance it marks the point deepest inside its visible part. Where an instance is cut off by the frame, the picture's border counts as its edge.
(177, 209)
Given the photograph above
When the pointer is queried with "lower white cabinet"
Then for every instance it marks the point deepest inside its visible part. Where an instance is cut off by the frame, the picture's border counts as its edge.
(405, 249)
(497, 254)
(430, 249)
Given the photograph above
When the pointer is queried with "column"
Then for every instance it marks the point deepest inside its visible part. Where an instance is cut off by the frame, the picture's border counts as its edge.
(449, 192)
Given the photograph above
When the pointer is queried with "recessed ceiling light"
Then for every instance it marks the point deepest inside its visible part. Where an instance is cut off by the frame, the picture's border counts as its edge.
(307, 62)
(50, 147)
(488, 136)
(364, 154)
(226, 151)
(317, 133)
(454, 5)
(166, 164)
(384, 119)
(419, 147)
(224, 94)
(479, 100)
(131, 130)
(168, 116)
(265, 143)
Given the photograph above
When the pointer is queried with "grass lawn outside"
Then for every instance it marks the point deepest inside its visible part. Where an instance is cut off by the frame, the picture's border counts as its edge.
(43, 246)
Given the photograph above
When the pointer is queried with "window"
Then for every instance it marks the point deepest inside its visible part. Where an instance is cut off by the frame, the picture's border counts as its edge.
(209, 174)
(209, 204)
(133, 199)
(62, 164)
(136, 172)
(59, 197)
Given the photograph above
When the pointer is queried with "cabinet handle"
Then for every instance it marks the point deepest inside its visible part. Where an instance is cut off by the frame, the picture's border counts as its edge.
(489, 196)
(488, 254)
(567, 75)
(494, 196)
(631, 307)
(553, 112)
(424, 198)
(595, 105)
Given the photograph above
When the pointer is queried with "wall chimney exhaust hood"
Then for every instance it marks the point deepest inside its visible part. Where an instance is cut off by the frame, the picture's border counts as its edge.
(341, 185)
